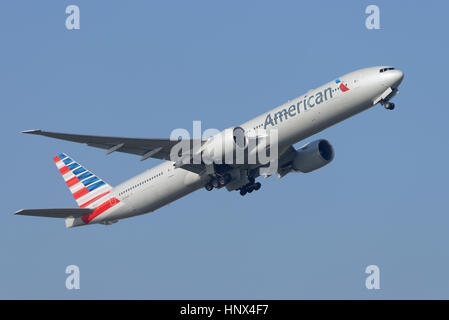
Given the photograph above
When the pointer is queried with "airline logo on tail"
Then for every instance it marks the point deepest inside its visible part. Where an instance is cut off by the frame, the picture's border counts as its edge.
(341, 85)
(87, 189)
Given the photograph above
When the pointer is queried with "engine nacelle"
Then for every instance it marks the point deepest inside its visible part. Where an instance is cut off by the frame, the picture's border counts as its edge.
(313, 155)
(225, 146)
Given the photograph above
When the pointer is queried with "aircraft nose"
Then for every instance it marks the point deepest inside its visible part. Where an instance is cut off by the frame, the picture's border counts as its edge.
(395, 78)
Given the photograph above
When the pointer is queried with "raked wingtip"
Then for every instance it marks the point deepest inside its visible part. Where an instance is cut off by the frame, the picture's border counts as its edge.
(31, 131)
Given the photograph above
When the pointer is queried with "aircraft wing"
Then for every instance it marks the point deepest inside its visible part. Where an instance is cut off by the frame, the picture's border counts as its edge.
(146, 148)
(55, 213)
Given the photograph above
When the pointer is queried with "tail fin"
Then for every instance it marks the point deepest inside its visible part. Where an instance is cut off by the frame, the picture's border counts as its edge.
(88, 190)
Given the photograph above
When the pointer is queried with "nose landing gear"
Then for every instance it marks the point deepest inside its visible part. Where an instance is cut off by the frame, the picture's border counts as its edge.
(389, 105)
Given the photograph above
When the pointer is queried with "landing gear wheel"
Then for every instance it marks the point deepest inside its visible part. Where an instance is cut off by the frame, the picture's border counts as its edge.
(224, 179)
(221, 180)
(208, 187)
(257, 186)
(250, 189)
(242, 192)
(215, 183)
(389, 106)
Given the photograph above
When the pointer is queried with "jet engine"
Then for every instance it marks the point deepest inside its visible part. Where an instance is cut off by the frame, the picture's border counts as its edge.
(226, 146)
(313, 156)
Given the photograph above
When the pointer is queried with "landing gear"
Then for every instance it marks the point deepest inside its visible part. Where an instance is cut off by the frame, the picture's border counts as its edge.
(250, 187)
(215, 183)
(389, 105)
(224, 179)
(218, 182)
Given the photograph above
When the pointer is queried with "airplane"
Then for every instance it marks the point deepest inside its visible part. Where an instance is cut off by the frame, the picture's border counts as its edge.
(298, 119)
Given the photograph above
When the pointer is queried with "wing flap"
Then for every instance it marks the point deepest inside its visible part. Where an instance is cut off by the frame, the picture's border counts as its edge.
(55, 213)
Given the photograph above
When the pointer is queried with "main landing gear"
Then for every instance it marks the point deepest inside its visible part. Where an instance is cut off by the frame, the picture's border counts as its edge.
(218, 181)
(250, 187)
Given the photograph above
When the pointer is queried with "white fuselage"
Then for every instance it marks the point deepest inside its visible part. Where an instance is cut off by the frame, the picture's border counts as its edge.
(295, 120)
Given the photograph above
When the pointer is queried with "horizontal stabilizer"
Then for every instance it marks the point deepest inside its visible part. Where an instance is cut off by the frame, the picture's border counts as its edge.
(55, 213)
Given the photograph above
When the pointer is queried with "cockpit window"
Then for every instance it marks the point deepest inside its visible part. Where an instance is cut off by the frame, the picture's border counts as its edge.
(385, 69)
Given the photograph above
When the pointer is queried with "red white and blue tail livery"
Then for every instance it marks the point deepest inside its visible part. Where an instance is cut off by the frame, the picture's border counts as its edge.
(88, 190)
(92, 194)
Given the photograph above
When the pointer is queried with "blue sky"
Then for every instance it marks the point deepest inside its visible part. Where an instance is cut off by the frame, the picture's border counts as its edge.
(142, 69)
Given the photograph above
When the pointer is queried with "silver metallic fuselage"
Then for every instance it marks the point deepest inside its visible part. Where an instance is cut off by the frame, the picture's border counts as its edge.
(169, 184)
